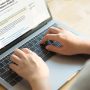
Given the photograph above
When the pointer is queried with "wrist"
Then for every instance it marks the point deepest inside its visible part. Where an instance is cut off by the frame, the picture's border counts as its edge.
(40, 84)
(84, 47)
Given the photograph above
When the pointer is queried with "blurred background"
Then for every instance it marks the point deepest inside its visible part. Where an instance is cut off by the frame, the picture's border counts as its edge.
(74, 12)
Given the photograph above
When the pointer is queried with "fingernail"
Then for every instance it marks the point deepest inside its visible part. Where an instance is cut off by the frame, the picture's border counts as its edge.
(41, 42)
(47, 47)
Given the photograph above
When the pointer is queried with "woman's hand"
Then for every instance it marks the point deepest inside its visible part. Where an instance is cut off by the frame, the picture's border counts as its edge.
(71, 44)
(31, 67)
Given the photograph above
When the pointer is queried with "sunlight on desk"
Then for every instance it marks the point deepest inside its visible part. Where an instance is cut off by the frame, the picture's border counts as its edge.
(76, 13)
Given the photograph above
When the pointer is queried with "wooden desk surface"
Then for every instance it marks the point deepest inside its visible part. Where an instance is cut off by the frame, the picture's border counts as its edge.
(75, 13)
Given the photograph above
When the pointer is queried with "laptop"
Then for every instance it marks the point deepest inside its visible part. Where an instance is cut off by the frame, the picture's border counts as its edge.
(23, 23)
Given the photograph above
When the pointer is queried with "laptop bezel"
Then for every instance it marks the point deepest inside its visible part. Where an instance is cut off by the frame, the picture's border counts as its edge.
(13, 43)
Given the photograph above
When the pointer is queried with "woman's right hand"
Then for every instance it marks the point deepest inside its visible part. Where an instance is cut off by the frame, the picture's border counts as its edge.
(71, 44)
(31, 67)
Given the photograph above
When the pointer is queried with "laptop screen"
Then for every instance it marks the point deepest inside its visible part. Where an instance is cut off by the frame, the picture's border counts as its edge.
(20, 16)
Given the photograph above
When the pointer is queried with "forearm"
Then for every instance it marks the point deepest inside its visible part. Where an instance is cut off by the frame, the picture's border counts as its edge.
(86, 47)
(40, 85)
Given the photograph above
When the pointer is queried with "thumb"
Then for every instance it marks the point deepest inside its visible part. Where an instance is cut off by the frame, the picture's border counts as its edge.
(52, 48)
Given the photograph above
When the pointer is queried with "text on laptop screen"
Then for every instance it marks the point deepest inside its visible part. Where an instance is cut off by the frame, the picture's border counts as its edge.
(19, 16)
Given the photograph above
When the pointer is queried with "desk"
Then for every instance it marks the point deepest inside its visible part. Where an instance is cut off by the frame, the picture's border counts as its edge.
(74, 13)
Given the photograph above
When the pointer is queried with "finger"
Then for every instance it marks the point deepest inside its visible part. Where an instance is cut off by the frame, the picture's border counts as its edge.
(53, 48)
(54, 30)
(14, 67)
(53, 37)
(19, 53)
(26, 50)
(15, 59)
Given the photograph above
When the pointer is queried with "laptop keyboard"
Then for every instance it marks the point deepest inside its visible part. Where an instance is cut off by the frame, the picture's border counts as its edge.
(33, 44)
